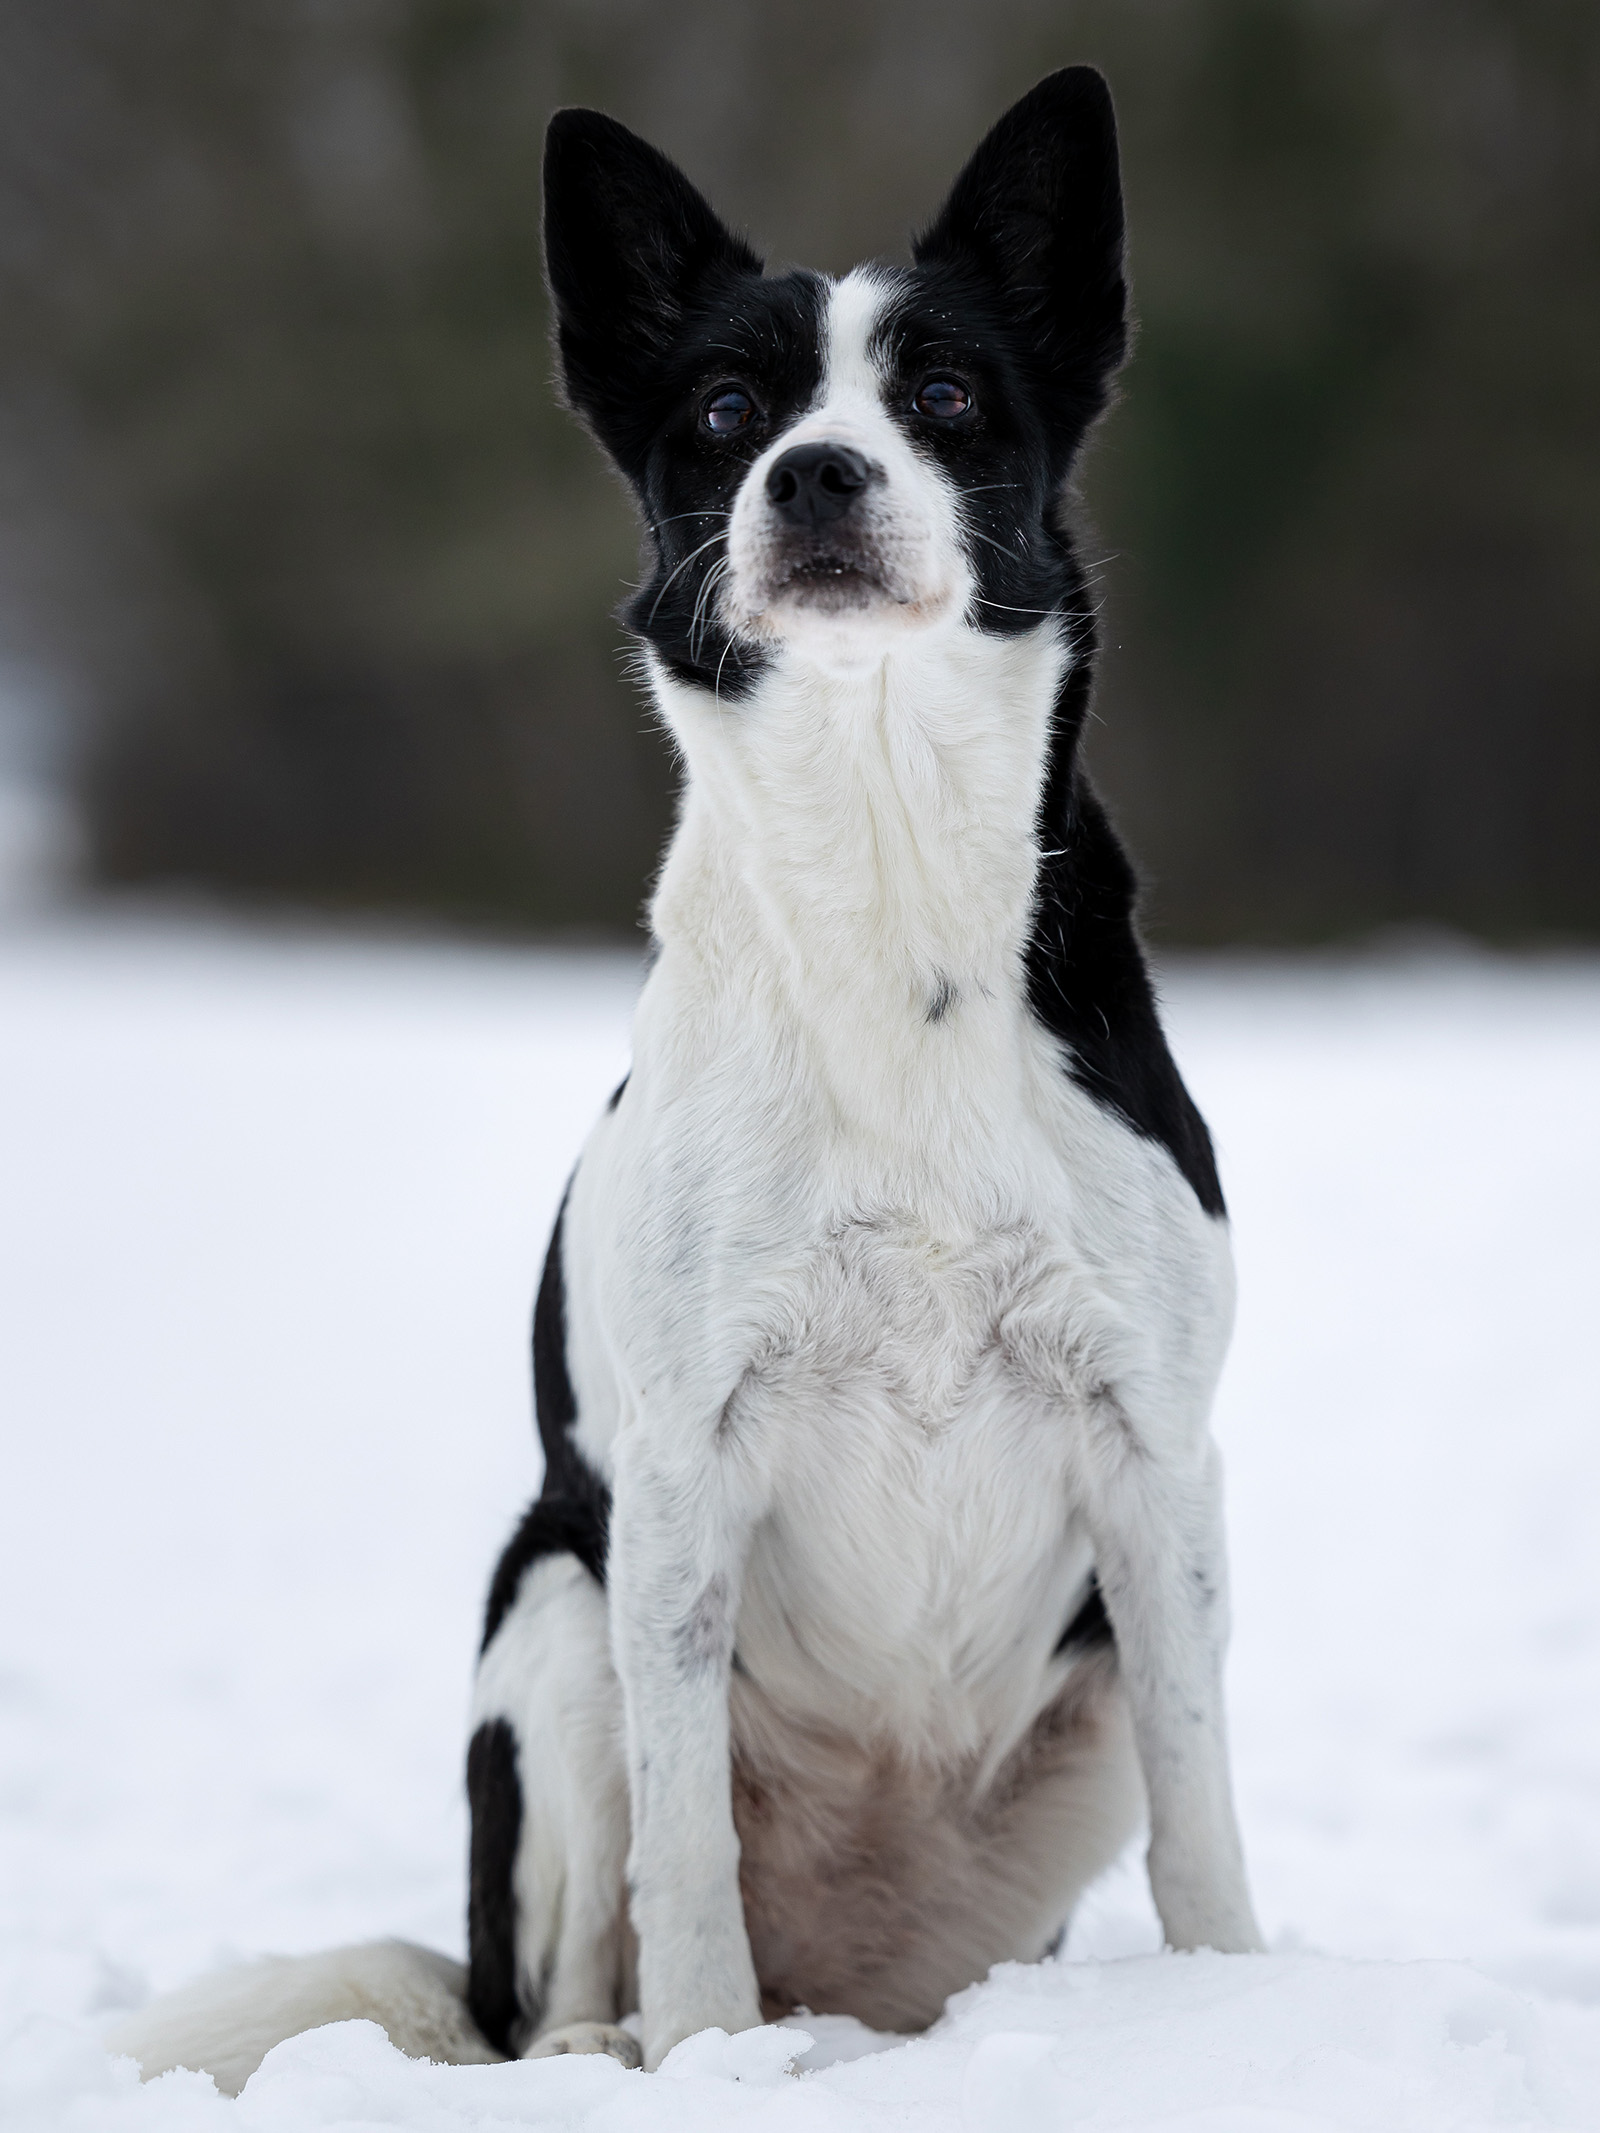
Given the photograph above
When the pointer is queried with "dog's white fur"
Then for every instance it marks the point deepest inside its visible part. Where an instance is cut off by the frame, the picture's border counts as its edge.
(883, 1334)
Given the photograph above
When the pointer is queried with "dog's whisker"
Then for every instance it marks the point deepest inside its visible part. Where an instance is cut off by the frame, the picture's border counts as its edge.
(700, 620)
(657, 523)
(998, 546)
(716, 687)
(678, 573)
(1009, 610)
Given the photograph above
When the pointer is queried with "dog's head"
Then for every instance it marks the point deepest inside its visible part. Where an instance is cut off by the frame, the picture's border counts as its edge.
(828, 466)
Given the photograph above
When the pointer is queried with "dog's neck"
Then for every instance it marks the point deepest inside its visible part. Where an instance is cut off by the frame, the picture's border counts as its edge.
(858, 846)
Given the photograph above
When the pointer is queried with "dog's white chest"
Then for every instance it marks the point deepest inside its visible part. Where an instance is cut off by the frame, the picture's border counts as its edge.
(921, 1550)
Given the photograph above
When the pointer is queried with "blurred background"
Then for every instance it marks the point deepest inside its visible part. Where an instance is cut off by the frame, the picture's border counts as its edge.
(306, 607)
(306, 585)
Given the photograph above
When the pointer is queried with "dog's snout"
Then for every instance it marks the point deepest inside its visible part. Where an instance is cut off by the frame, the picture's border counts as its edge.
(813, 484)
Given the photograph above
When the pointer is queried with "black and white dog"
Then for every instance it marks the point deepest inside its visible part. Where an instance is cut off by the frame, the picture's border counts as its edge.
(877, 1586)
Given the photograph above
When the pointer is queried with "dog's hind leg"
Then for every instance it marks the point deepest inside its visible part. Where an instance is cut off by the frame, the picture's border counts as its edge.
(552, 1958)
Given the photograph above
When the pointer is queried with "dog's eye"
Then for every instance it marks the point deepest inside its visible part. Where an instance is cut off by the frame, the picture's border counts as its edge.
(728, 411)
(943, 399)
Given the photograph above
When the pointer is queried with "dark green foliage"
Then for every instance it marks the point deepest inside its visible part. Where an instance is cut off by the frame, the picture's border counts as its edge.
(292, 508)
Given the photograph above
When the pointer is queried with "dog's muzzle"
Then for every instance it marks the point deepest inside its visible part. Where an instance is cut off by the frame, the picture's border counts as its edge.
(824, 544)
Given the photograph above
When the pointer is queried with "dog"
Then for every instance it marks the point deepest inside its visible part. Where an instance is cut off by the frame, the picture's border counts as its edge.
(876, 1592)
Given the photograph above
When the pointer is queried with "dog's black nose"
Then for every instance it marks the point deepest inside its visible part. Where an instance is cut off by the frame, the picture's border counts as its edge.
(814, 483)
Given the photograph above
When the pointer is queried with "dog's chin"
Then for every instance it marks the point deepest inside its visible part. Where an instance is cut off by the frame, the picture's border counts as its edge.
(831, 586)
(840, 613)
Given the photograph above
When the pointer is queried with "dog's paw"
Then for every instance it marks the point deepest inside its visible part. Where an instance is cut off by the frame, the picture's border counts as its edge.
(587, 2037)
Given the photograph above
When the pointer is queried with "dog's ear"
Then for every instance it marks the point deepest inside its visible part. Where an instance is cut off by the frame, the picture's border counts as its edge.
(627, 241)
(1037, 213)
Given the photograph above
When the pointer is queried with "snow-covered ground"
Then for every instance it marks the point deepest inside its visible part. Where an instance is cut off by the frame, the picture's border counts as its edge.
(271, 1208)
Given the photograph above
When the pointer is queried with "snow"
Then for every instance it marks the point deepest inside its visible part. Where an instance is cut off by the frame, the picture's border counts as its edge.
(273, 1208)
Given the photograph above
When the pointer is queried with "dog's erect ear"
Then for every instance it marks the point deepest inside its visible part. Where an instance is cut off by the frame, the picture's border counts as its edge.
(627, 241)
(1038, 214)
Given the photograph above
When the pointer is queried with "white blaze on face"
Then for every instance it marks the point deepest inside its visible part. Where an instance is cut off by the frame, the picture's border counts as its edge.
(894, 562)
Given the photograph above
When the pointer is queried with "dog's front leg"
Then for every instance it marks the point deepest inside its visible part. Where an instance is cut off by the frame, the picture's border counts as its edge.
(679, 1535)
(1162, 1565)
